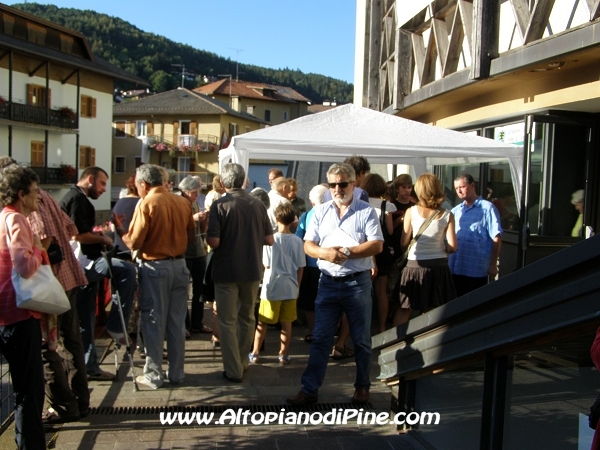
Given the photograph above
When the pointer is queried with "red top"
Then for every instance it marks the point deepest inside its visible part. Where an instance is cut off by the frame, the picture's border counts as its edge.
(16, 250)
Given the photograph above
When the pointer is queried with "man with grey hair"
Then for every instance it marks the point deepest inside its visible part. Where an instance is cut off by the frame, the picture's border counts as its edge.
(161, 229)
(238, 227)
(344, 234)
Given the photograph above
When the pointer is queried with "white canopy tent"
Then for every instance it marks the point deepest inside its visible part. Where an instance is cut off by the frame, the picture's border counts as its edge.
(340, 132)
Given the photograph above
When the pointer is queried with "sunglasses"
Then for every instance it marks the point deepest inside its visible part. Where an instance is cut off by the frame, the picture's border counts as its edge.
(343, 184)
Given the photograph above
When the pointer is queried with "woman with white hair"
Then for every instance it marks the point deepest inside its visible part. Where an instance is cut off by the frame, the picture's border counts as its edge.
(310, 278)
(195, 256)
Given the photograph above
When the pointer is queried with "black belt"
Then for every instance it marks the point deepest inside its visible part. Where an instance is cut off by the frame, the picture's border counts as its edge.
(352, 276)
(169, 258)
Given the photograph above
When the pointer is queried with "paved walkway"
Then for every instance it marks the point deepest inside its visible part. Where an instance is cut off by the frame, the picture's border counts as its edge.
(124, 419)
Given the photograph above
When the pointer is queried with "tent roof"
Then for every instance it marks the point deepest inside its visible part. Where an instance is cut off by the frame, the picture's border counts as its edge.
(383, 138)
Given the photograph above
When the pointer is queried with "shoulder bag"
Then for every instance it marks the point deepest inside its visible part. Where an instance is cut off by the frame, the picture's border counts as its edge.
(400, 263)
(40, 292)
(387, 256)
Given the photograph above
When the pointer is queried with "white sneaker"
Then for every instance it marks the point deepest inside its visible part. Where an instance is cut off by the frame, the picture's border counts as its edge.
(141, 379)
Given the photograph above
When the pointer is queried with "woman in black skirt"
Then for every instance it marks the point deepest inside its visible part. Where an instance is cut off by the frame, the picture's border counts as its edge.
(426, 281)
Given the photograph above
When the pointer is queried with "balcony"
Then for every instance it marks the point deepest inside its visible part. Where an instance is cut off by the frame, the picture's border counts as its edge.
(64, 174)
(61, 118)
(184, 143)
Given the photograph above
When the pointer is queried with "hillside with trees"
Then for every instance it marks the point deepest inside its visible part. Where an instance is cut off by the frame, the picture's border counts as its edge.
(151, 56)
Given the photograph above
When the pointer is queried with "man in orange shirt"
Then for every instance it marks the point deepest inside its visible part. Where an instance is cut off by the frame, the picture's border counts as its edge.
(161, 229)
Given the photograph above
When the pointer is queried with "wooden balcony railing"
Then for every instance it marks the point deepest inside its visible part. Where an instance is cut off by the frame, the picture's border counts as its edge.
(38, 115)
(184, 143)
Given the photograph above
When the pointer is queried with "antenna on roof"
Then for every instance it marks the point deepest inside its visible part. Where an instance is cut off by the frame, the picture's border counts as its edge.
(238, 50)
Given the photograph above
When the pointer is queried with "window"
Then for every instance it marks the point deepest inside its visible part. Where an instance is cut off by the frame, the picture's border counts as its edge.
(141, 128)
(247, 129)
(87, 157)
(88, 106)
(119, 164)
(36, 95)
(137, 161)
(184, 127)
(250, 109)
(183, 164)
(120, 129)
(66, 43)
(285, 116)
(37, 154)
(232, 130)
(267, 115)
(36, 34)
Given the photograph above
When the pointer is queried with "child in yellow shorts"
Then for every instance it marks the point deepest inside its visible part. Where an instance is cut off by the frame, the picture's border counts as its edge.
(284, 263)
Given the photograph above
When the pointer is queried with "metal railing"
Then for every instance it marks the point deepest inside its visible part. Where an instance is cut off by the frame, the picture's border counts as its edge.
(55, 175)
(184, 143)
(38, 115)
(7, 401)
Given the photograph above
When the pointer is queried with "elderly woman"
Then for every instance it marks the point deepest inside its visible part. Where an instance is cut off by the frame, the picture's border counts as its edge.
(20, 334)
(195, 256)
(426, 281)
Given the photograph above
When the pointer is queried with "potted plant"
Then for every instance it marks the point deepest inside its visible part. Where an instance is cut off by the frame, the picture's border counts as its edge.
(66, 113)
(66, 173)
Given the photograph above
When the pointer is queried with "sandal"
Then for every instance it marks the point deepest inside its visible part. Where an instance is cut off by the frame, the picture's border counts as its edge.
(341, 352)
(215, 341)
(51, 417)
(253, 358)
(102, 376)
(284, 360)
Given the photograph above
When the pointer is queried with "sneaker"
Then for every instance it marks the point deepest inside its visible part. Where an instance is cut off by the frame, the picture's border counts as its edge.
(253, 358)
(284, 360)
(141, 379)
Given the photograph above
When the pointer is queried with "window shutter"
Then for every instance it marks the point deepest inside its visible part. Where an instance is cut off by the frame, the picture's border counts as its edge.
(132, 129)
(93, 107)
(30, 94)
(193, 128)
(84, 107)
(92, 156)
(175, 131)
(149, 128)
(82, 158)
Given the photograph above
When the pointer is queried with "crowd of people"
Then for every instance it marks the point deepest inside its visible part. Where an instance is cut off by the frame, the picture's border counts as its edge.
(335, 260)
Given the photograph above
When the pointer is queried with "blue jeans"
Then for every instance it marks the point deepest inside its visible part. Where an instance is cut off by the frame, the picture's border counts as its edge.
(353, 297)
(124, 273)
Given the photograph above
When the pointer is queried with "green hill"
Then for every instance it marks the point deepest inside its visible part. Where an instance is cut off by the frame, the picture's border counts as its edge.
(150, 56)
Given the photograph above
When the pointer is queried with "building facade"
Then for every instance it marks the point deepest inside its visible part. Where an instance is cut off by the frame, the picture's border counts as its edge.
(523, 72)
(55, 101)
(267, 102)
(181, 130)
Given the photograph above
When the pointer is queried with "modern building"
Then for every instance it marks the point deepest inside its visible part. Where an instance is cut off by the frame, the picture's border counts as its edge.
(181, 130)
(524, 72)
(270, 103)
(56, 100)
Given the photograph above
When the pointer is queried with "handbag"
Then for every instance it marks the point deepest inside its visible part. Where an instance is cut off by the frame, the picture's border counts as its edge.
(400, 263)
(40, 292)
(387, 255)
(55, 254)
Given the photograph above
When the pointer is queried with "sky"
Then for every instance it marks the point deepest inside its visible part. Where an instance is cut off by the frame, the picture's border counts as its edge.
(314, 36)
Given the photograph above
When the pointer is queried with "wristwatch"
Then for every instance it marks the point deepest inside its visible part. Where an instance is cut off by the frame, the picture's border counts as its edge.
(346, 251)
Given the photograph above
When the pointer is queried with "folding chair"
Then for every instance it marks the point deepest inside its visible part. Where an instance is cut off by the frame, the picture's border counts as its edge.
(108, 255)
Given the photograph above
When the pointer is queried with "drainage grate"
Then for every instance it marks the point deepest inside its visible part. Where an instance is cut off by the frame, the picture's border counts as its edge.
(154, 410)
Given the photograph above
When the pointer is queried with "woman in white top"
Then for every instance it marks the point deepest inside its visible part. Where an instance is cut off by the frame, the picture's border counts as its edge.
(426, 281)
(376, 187)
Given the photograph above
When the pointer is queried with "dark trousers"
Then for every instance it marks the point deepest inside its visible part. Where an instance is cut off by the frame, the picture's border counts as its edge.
(21, 345)
(64, 369)
(197, 267)
(465, 284)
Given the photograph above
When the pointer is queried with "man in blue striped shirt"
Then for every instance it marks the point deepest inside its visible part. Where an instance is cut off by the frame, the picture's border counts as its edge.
(478, 231)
